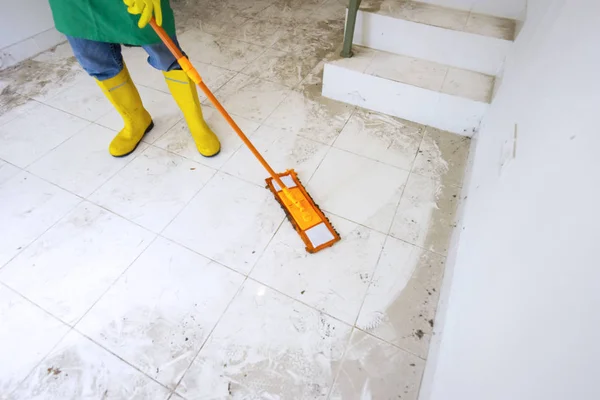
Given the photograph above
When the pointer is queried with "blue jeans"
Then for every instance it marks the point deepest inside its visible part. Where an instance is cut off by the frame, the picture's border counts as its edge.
(104, 60)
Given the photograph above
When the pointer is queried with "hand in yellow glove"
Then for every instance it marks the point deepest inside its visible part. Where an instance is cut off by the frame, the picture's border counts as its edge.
(147, 8)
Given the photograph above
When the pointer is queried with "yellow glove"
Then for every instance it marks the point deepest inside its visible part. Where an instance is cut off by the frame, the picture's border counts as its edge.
(147, 8)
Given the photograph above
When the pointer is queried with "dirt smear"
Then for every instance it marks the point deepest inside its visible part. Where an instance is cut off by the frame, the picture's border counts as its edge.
(33, 78)
(372, 6)
(454, 151)
(408, 318)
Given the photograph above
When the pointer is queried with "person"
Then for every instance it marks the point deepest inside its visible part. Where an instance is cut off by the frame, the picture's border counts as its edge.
(96, 29)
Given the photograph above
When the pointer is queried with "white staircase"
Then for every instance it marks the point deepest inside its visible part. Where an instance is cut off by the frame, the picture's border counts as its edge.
(421, 62)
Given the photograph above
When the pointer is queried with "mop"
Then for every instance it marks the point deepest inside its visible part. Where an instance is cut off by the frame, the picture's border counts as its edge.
(314, 228)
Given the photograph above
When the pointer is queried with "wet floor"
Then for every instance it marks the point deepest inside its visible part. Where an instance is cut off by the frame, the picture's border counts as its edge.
(165, 275)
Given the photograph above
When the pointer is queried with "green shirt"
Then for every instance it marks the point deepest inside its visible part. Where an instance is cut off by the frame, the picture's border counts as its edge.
(106, 21)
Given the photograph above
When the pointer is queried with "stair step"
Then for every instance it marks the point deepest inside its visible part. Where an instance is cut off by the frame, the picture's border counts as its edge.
(449, 18)
(455, 48)
(422, 91)
(422, 73)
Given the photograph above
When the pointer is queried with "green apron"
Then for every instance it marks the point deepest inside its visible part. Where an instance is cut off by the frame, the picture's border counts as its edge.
(106, 21)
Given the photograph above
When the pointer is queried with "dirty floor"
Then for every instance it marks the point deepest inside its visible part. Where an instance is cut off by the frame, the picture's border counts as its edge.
(165, 275)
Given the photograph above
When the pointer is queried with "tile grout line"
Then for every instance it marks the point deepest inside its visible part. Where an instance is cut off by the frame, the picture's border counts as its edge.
(73, 327)
(86, 198)
(331, 147)
(181, 118)
(134, 155)
(115, 280)
(202, 255)
(134, 222)
(245, 179)
(25, 169)
(315, 171)
(81, 131)
(82, 200)
(186, 206)
(70, 113)
(283, 221)
(352, 114)
(339, 370)
(383, 233)
(76, 133)
(370, 281)
(25, 247)
(390, 343)
(211, 107)
(205, 101)
(371, 159)
(464, 28)
(193, 360)
(108, 210)
(290, 297)
(12, 165)
(120, 358)
(182, 156)
(419, 151)
(379, 161)
(321, 312)
(355, 327)
(193, 160)
(69, 329)
(215, 90)
(399, 198)
(444, 80)
(405, 185)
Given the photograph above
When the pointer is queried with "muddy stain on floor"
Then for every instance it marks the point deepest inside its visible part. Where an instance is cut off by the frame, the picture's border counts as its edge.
(54, 371)
(372, 6)
(33, 78)
(428, 276)
(10, 99)
(408, 318)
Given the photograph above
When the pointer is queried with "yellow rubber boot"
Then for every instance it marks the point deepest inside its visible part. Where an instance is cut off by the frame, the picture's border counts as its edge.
(123, 94)
(185, 94)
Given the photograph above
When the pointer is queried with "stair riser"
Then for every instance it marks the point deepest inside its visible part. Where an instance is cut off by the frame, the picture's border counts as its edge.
(442, 111)
(458, 49)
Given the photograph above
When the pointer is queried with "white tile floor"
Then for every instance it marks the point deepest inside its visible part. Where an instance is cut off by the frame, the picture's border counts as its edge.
(165, 275)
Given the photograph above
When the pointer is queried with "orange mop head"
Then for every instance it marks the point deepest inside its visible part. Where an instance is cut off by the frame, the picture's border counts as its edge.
(313, 227)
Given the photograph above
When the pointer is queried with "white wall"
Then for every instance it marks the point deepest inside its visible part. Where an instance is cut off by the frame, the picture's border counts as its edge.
(513, 9)
(26, 28)
(520, 316)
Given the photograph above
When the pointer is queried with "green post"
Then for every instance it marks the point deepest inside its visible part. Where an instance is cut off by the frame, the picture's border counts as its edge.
(350, 24)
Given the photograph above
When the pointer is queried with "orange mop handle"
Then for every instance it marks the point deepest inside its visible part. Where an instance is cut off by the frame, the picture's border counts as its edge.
(189, 69)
